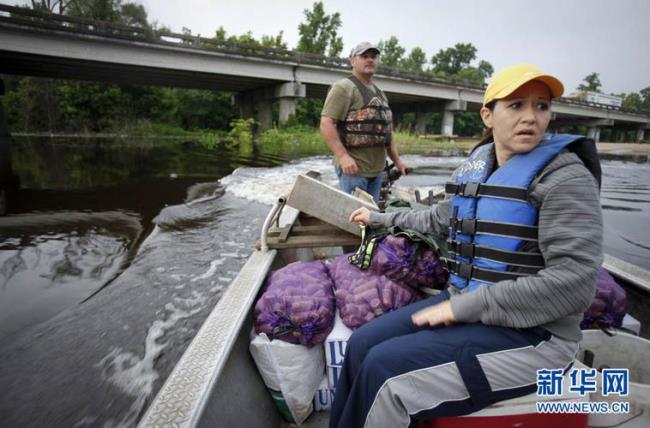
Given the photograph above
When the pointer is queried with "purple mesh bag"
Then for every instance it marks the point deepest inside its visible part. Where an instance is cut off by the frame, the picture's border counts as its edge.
(410, 263)
(429, 271)
(609, 305)
(394, 257)
(297, 305)
(362, 295)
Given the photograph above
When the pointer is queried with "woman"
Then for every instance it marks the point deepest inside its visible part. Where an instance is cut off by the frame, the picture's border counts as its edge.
(525, 246)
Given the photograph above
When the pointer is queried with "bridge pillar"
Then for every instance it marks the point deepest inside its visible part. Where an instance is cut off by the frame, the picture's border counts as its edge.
(641, 133)
(287, 93)
(6, 173)
(619, 135)
(420, 122)
(244, 101)
(448, 116)
(593, 126)
(397, 116)
(265, 114)
(594, 133)
(447, 123)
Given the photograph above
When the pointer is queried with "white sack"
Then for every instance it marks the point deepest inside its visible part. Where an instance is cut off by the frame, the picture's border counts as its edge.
(291, 372)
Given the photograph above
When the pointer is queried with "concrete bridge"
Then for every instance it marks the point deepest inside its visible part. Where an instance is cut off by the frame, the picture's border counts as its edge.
(55, 46)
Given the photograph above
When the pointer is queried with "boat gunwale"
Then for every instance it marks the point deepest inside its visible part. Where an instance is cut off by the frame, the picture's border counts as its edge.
(182, 399)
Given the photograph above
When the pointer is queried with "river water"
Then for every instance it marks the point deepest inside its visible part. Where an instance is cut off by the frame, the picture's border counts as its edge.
(114, 252)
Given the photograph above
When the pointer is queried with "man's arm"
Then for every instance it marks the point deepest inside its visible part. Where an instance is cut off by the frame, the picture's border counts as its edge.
(330, 134)
(394, 156)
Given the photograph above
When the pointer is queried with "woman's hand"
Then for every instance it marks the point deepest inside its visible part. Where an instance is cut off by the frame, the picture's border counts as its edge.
(360, 216)
(434, 315)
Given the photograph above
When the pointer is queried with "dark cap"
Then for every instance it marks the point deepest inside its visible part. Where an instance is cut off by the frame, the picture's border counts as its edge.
(363, 47)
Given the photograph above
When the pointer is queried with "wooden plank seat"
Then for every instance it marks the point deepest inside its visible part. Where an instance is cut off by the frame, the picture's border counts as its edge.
(309, 232)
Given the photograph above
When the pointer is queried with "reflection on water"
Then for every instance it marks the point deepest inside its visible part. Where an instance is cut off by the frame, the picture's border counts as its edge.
(156, 253)
(43, 272)
(625, 195)
(80, 211)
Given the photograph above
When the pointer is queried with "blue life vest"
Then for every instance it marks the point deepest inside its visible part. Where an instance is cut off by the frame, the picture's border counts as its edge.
(491, 217)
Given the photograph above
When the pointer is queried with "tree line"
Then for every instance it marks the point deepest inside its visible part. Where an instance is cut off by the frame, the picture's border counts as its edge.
(55, 105)
(633, 101)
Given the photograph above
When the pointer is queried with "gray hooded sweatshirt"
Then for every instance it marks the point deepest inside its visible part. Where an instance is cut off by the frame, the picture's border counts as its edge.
(570, 240)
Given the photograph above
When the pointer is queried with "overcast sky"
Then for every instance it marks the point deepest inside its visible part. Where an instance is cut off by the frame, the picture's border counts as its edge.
(567, 38)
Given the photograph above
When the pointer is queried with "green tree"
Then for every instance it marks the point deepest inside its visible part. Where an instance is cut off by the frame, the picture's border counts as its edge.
(274, 41)
(319, 32)
(645, 95)
(632, 101)
(248, 39)
(53, 6)
(485, 69)
(201, 109)
(591, 83)
(130, 14)
(134, 15)
(391, 52)
(318, 35)
(31, 104)
(415, 60)
(103, 10)
(451, 61)
(456, 62)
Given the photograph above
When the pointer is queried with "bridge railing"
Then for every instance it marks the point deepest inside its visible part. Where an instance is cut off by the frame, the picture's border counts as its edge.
(52, 21)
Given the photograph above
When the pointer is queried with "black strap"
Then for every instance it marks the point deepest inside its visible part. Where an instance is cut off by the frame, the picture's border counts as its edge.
(348, 132)
(350, 123)
(473, 189)
(516, 258)
(379, 93)
(469, 271)
(365, 92)
(472, 226)
(586, 150)
(363, 256)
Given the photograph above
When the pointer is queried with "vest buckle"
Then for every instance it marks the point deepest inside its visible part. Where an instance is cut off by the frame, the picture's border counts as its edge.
(464, 249)
(468, 226)
(469, 189)
(464, 270)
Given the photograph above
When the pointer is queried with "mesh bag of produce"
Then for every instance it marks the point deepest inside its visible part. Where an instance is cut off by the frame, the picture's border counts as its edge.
(362, 295)
(394, 257)
(609, 305)
(410, 263)
(429, 271)
(297, 305)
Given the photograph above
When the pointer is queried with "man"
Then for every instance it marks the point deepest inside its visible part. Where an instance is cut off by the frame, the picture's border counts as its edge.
(356, 123)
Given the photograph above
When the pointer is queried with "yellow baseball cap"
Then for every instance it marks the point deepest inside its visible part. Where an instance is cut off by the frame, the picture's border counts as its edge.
(510, 79)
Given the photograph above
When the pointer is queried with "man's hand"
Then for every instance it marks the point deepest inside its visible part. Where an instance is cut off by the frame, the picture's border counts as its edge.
(401, 166)
(434, 315)
(331, 136)
(348, 165)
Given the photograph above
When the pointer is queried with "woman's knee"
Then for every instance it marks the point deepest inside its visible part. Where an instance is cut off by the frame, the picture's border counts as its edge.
(360, 342)
(383, 360)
